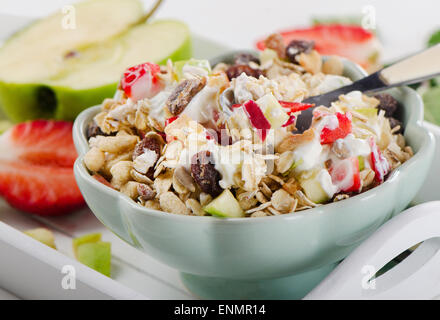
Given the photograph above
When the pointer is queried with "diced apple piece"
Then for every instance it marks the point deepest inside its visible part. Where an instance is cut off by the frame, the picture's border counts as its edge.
(267, 55)
(96, 255)
(43, 235)
(193, 66)
(88, 238)
(368, 112)
(225, 206)
(313, 189)
(273, 111)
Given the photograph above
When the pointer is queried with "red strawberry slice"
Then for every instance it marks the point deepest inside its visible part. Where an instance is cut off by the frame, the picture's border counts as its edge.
(257, 118)
(141, 81)
(344, 128)
(379, 163)
(350, 41)
(295, 106)
(345, 175)
(36, 168)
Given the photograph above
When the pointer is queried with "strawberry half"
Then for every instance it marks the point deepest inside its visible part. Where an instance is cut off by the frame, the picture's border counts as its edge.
(141, 81)
(350, 41)
(36, 168)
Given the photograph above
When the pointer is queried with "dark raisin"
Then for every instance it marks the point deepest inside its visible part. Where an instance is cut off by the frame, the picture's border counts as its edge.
(94, 130)
(296, 47)
(276, 42)
(147, 143)
(182, 95)
(387, 103)
(236, 70)
(145, 192)
(245, 58)
(394, 123)
(204, 173)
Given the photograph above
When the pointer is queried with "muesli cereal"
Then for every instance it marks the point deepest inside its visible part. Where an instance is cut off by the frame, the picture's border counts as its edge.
(191, 140)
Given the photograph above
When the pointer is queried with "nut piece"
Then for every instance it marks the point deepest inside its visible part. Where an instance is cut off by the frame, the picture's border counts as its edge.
(296, 47)
(195, 207)
(282, 201)
(94, 130)
(276, 42)
(145, 192)
(236, 70)
(334, 66)
(130, 189)
(94, 159)
(204, 173)
(311, 62)
(259, 214)
(121, 173)
(185, 179)
(152, 204)
(117, 144)
(171, 203)
(183, 93)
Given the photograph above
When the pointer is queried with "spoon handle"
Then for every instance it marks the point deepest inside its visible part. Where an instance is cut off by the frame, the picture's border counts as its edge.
(419, 67)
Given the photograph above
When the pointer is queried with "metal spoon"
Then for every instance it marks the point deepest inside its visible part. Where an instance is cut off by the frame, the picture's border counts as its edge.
(417, 68)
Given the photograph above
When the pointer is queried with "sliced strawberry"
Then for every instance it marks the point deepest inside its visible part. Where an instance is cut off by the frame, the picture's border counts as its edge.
(36, 168)
(170, 120)
(289, 121)
(329, 135)
(141, 81)
(379, 163)
(257, 118)
(345, 175)
(295, 106)
(350, 41)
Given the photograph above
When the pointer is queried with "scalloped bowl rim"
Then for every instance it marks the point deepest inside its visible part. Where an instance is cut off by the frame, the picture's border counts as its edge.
(416, 119)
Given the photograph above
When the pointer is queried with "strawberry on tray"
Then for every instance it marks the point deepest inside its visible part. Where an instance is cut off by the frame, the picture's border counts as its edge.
(350, 41)
(36, 168)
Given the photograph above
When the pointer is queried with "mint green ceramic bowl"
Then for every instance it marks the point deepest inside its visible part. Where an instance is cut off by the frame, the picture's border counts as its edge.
(277, 257)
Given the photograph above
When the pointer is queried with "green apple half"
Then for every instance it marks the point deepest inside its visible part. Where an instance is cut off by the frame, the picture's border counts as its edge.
(47, 72)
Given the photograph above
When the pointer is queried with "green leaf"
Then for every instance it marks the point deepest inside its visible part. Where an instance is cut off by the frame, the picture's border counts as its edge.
(434, 39)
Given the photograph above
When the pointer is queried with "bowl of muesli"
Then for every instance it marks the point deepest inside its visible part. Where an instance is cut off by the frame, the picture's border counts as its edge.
(198, 165)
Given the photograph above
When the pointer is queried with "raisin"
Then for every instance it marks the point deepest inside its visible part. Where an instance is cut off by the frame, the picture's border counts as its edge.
(94, 130)
(145, 192)
(296, 47)
(245, 58)
(236, 70)
(387, 103)
(204, 173)
(394, 123)
(182, 95)
(276, 42)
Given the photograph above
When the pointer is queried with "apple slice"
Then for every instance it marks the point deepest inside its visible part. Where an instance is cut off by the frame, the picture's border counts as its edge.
(96, 255)
(225, 206)
(43, 235)
(88, 238)
(59, 74)
(313, 189)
